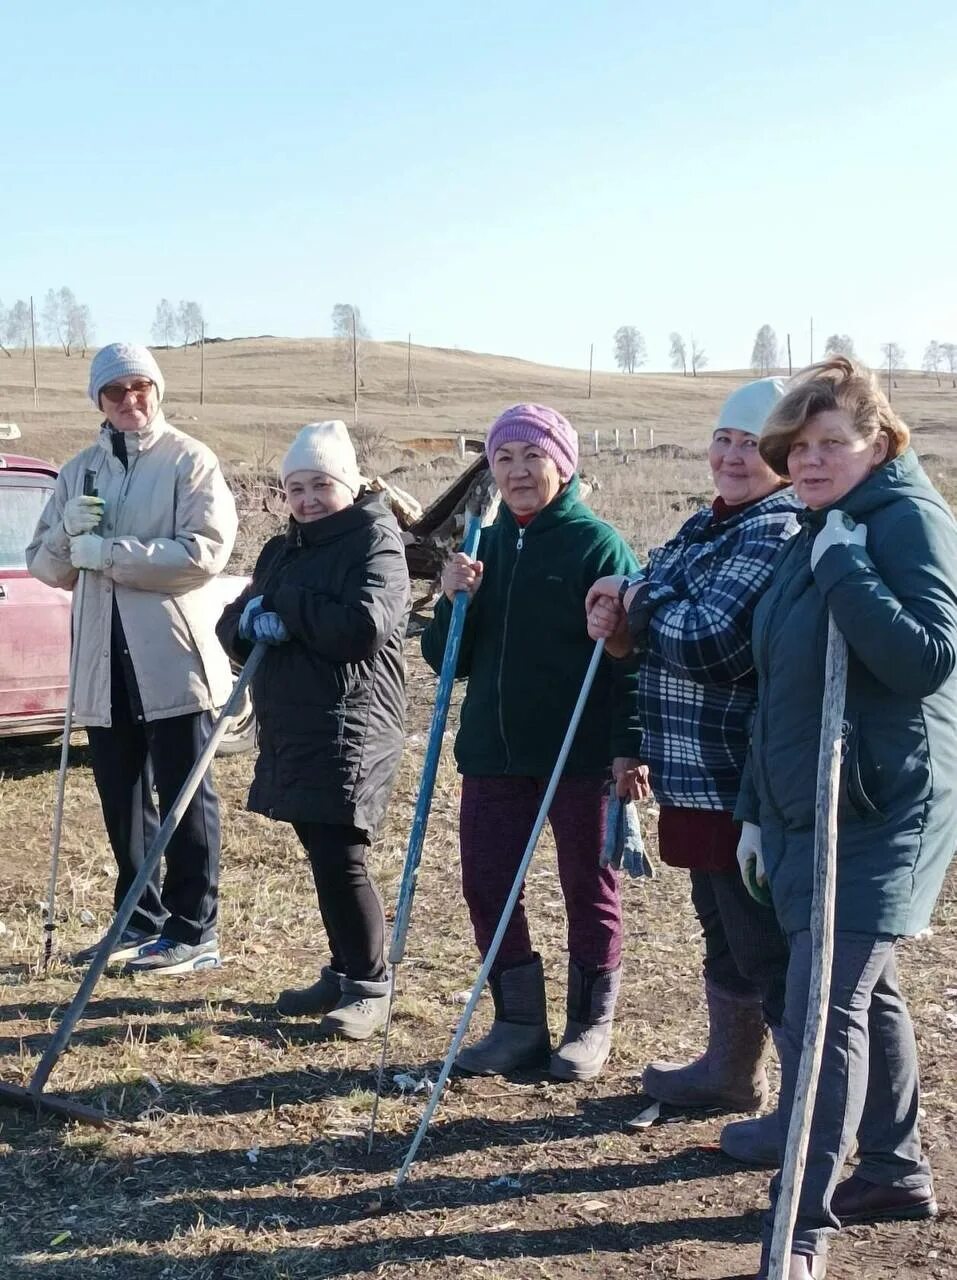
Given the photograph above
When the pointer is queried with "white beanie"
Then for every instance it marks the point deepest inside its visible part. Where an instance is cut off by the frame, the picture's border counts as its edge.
(325, 447)
(123, 360)
(747, 408)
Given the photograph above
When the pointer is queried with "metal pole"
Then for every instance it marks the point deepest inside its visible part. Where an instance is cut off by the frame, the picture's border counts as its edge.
(789, 356)
(423, 807)
(822, 951)
(61, 1037)
(506, 917)
(49, 926)
(591, 359)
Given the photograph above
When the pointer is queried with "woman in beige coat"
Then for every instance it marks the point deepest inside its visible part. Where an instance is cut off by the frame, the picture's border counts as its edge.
(160, 527)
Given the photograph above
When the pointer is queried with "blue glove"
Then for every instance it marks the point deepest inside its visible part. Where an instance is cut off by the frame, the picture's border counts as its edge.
(254, 608)
(269, 628)
(624, 846)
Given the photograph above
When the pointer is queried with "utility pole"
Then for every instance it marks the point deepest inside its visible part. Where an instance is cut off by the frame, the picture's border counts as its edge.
(789, 356)
(591, 358)
(33, 339)
(355, 372)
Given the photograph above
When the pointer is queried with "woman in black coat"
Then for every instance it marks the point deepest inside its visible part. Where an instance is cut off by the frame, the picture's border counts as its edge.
(331, 598)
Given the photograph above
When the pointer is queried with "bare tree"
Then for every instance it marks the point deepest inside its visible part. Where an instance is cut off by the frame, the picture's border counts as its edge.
(839, 344)
(764, 353)
(165, 324)
(630, 350)
(190, 319)
(679, 354)
(58, 306)
(342, 314)
(894, 361)
(4, 322)
(948, 351)
(698, 357)
(351, 354)
(16, 330)
(933, 356)
(80, 329)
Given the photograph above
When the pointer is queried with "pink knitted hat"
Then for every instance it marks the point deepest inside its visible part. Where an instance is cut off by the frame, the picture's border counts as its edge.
(538, 425)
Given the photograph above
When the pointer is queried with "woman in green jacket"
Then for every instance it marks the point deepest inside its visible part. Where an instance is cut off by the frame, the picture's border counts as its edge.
(525, 651)
(879, 554)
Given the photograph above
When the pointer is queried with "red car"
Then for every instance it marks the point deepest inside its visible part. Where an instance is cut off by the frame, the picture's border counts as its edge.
(35, 618)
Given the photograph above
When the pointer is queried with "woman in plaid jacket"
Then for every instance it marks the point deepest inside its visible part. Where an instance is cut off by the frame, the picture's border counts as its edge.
(689, 619)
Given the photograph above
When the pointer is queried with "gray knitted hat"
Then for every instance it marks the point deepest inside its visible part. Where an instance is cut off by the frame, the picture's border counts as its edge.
(123, 360)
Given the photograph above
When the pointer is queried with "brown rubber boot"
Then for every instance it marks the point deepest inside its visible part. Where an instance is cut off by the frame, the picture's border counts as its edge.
(731, 1072)
(518, 1039)
(586, 1042)
(756, 1141)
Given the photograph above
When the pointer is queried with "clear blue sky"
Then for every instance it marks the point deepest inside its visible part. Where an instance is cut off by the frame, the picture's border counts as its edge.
(504, 176)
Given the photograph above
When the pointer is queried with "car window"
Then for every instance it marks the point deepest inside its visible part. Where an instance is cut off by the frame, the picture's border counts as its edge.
(20, 509)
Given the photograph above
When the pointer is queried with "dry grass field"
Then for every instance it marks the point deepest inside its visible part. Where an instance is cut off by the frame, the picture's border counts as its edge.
(239, 1145)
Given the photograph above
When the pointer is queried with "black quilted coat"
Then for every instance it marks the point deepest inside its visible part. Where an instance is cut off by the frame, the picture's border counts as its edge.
(330, 701)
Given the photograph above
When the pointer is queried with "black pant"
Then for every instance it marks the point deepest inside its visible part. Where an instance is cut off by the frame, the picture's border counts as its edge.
(127, 759)
(745, 951)
(349, 902)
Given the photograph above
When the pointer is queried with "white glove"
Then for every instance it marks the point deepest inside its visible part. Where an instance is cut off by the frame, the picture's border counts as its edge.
(83, 514)
(87, 552)
(751, 863)
(839, 531)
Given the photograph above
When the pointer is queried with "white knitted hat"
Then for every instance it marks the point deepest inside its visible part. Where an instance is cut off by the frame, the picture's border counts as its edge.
(747, 408)
(326, 447)
(123, 360)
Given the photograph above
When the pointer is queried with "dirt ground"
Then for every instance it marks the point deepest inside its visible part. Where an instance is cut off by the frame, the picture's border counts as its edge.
(239, 1148)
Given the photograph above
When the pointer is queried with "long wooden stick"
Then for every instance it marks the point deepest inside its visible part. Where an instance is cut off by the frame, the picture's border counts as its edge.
(822, 951)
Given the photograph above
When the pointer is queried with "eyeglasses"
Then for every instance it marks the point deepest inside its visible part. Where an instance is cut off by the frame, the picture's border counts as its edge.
(117, 394)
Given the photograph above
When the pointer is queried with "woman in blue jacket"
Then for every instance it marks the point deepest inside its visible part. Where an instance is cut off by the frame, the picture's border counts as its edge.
(879, 554)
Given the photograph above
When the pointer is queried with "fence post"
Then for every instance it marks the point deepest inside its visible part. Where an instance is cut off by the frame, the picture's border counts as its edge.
(596, 444)
(461, 448)
(634, 437)
(651, 437)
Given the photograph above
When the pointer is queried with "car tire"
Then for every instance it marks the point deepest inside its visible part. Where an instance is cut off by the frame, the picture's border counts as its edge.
(241, 734)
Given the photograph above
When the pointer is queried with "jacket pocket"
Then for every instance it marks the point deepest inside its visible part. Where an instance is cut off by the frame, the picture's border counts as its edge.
(859, 792)
(886, 765)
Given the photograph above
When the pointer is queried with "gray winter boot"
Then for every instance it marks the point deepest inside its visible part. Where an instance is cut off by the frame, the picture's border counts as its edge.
(518, 1038)
(360, 1013)
(755, 1141)
(730, 1073)
(586, 1042)
(312, 1001)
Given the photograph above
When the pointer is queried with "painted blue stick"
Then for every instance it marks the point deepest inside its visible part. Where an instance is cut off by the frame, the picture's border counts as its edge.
(506, 917)
(423, 806)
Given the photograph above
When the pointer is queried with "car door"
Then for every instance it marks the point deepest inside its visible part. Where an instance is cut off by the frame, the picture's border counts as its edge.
(34, 618)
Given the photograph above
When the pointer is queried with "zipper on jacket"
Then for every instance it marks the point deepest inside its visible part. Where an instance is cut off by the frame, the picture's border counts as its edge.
(501, 661)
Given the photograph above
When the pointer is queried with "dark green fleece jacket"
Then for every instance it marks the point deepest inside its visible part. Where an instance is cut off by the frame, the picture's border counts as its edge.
(525, 649)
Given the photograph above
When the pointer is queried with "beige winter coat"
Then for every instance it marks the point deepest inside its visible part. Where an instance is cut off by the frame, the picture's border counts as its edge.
(169, 527)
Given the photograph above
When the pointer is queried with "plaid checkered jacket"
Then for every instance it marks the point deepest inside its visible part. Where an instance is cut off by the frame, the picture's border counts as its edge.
(697, 688)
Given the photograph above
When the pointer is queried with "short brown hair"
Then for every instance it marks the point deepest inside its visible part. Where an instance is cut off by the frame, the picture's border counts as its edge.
(838, 383)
